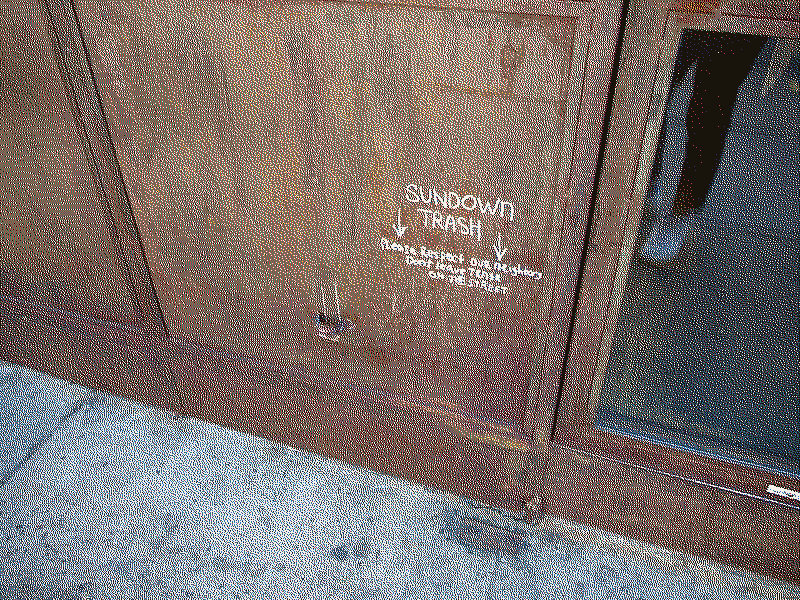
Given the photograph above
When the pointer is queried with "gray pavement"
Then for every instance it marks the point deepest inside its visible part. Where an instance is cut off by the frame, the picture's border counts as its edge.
(127, 501)
(33, 406)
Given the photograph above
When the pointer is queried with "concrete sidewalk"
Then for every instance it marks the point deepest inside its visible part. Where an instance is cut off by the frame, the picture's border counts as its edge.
(117, 500)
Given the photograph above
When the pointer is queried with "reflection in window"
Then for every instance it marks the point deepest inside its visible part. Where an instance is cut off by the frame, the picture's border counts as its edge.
(705, 352)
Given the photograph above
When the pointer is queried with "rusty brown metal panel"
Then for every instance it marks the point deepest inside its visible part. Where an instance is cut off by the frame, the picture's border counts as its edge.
(353, 425)
(56, 239)
(102, 355)
(276, 147)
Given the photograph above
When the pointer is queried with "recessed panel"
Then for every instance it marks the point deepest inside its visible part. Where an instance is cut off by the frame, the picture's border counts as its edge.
(368, 193)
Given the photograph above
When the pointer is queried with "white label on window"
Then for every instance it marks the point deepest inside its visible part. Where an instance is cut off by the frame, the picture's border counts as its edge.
(779, 491)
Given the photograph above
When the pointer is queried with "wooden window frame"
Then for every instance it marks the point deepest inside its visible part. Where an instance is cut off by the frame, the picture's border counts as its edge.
(607, 265)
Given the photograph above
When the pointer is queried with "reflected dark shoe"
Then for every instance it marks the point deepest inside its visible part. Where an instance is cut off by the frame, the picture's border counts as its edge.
(666, 239)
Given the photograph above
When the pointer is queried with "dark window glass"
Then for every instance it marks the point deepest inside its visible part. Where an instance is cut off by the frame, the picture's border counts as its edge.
(705, 352)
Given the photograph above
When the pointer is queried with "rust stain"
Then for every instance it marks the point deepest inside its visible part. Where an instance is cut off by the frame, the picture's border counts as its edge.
(188, 159)
(377, 179)
(489, 435)
(480, 431)
(505, 92)
(511, 58)
(695, 6)
(292, 193)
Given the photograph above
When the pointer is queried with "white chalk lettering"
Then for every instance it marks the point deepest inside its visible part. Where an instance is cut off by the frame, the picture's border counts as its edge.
(458, 280)
(433, 219)
(418, 262)
(444, 256)
(439, 199)
(395, 247)
(517, 270)
(412, 189)
(449, 268)
(487, 287)
(437, 220)
(479, 274)
(451, 200)
(474, 202)
(487, 206)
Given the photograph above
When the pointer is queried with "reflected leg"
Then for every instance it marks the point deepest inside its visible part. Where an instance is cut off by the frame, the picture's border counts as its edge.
(720, 72)
(691, 47)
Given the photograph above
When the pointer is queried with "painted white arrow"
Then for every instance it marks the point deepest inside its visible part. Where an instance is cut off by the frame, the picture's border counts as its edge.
(399, 229)
(497, 249)
(338, 308)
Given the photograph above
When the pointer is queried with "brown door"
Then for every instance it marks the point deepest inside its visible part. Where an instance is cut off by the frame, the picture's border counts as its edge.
(364, 222)
(684, 354)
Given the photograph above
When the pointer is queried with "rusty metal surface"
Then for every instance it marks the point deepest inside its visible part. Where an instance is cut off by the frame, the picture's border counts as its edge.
(287, 161)
(56, 241)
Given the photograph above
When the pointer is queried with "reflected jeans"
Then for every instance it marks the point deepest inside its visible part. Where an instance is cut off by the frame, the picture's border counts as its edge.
(723, 61)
